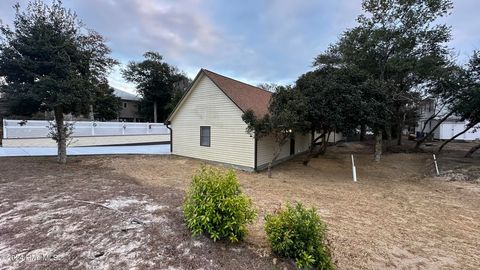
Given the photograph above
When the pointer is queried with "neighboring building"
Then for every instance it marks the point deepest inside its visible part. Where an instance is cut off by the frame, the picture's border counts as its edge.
(129, 111)
(448, 128)
(207, 124)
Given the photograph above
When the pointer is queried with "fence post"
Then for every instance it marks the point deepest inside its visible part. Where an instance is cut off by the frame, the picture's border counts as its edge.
(93, 128)
(148, 128)
(5, 129)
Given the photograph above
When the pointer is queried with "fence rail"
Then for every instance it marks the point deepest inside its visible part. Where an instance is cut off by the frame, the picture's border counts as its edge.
(20, 129)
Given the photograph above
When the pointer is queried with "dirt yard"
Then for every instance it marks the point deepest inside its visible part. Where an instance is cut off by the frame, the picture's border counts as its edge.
(124, 212)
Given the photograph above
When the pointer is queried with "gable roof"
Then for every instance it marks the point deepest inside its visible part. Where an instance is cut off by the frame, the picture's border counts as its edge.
(245, 96)
(125, 95)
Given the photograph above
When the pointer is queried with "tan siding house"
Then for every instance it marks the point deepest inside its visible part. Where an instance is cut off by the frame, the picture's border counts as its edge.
(207, 124)
(129, 111)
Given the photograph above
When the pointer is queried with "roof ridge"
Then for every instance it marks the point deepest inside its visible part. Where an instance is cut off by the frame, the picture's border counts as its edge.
(204, 69)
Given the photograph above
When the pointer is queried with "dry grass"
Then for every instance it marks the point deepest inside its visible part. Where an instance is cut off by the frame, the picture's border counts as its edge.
(397, 216)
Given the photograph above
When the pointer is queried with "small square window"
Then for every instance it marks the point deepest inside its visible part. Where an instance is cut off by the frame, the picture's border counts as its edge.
(125, 105)
(205, 136)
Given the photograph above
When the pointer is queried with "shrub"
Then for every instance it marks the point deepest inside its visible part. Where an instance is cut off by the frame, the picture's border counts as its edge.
(216, 206)
(299, 234)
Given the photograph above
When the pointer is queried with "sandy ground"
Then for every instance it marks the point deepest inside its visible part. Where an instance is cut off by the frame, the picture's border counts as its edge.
(397, 216)
(82, 216)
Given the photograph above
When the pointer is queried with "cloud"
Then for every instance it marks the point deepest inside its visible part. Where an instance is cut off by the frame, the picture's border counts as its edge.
(251, 40)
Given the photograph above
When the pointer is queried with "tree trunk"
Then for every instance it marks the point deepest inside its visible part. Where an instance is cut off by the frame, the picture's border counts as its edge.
(155, 111)
(312, 148)
(399, 139)
(378, 146)
(275, 156)
(325, 143)
(363, 132)
(323, 146)
(454, 137)
(388, 133)
(422, 140)
(400, 129)
(61, 136)
(472, 150)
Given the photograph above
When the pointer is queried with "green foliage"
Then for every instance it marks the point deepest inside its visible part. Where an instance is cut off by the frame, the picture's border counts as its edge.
(467, 106)
(334, 98)
(216, 206)
(52, 59)
(156, 81)
(106, 105)
(286, 116)
(399, 48)
(299, 234)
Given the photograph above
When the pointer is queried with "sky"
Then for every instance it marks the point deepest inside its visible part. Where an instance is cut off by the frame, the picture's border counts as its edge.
(256, 41)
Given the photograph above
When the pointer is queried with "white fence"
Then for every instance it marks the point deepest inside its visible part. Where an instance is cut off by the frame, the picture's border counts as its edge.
(20, 129)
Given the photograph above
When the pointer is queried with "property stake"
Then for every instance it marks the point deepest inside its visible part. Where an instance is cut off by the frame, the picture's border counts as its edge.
(436, 165)
(354, 170)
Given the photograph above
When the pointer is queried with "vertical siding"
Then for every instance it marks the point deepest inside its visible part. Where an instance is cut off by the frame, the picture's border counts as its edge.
(206, 105)
(266, 148)
(334, 136)
(302, 142)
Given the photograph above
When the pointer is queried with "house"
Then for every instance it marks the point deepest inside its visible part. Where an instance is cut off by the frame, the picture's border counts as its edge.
(429, 108)
(129, 111)
(207, 124)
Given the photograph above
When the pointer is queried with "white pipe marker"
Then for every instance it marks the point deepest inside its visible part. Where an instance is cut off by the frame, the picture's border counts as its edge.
(354, 170)
(436, 165)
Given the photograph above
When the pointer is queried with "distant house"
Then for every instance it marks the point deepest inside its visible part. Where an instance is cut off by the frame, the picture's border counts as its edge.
(207, 124)
(448, 128)
(129, 111)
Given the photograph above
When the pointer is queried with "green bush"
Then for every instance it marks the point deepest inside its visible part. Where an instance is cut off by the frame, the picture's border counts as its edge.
(216, 206)
(299, 234)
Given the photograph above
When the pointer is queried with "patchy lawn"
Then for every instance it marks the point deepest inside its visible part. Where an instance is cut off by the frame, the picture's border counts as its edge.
(83, 216)
(122, 212)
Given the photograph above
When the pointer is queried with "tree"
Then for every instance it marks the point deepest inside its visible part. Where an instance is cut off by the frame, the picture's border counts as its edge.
(268, 86)
(21, 104)
(467, 106)
(475, 73)
(286, 117)
(51, 57)
(399, 45)
(447, 89)
(160, 85)
(179, 89)
(333, 101)
(106, 105)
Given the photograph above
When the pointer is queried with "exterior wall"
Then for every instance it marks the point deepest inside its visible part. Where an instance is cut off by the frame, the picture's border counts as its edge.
(129, 112)
(448, 129)
(266, 148)
(207, 105)
(334, 137)
(87, 141)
